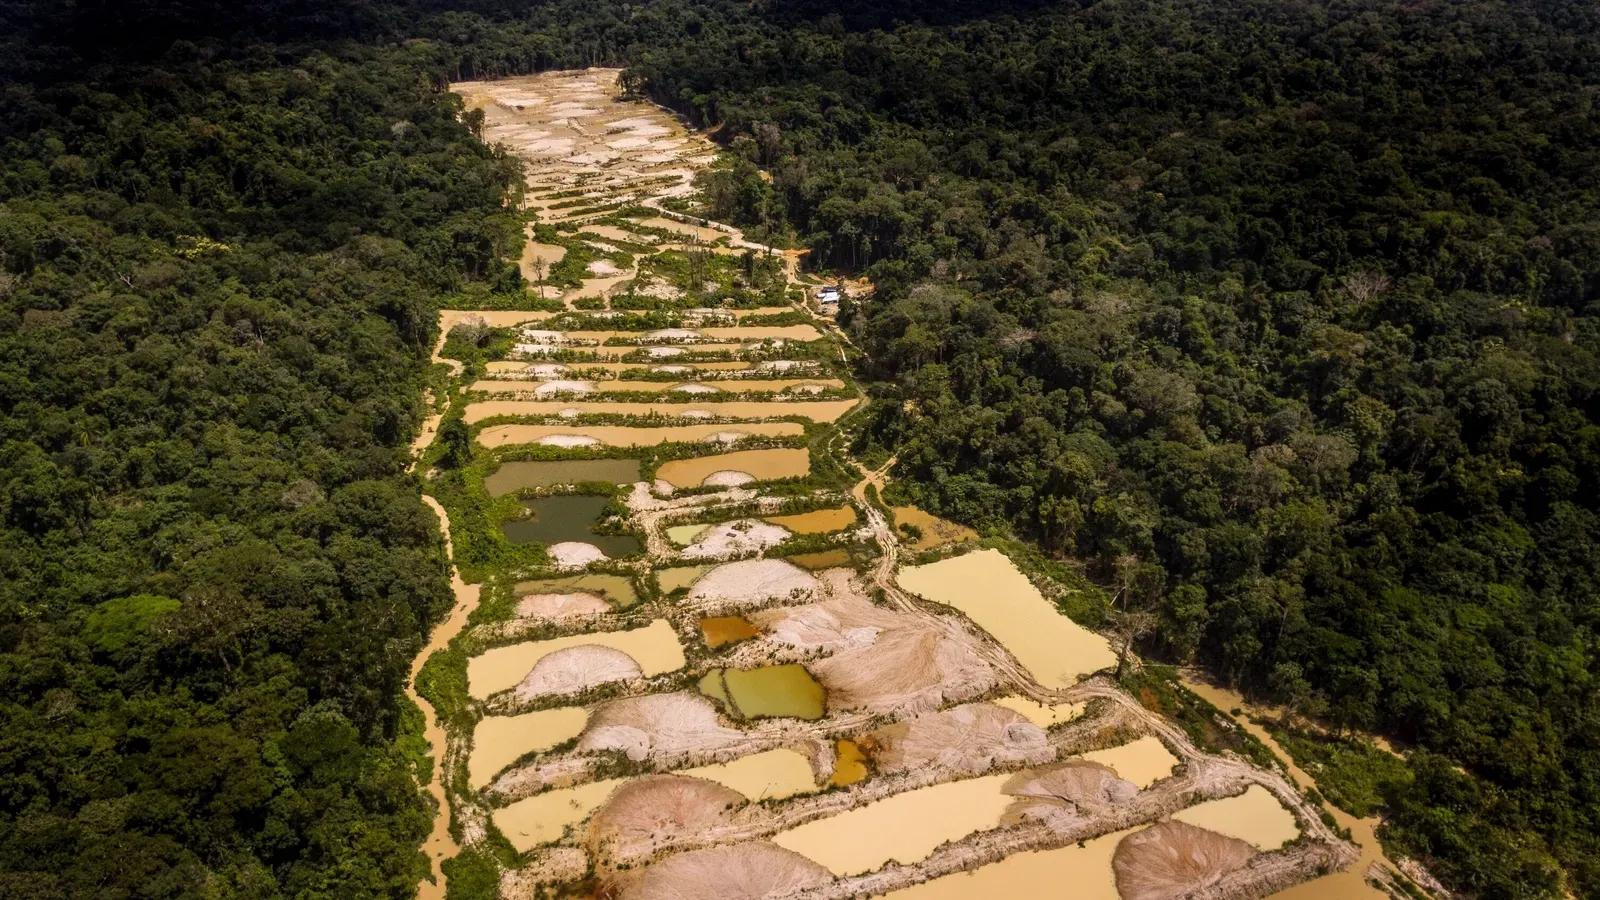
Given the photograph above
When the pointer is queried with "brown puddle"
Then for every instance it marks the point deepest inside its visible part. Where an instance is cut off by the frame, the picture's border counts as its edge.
(515, 475)
(818, 521)
(850, 763)
(827, 559)
(763, 465)
(616, 588)
(988, 588)
(626, 435)
(935, 532)
(815, 410)
(719, 631)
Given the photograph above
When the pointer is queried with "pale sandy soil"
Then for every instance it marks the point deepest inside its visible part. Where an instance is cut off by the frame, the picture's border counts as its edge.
(1009, 789)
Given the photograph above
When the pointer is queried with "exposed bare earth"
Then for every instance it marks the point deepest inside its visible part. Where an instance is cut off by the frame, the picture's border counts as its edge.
(642, 785)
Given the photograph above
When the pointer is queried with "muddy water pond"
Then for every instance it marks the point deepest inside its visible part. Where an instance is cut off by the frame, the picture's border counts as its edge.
(719, 631)
(1039, 714)
(515, 475)
(616, 588)
(826, 559)
(655, 648)
(676, 577)
(1143, 762)
(989, 589)
(815, 410)
(499, 741)
(850, 764)
(818, 521)
(905, 827)
(626, 435)
(684, 535)
(763, 465)
(769, 775)
(568, 517)
(545, 817)
(1033, 873)
(934, 531)
(1254, 816)
(786, 691)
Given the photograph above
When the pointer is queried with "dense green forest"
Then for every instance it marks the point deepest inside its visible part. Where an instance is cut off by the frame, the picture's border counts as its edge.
(218, 276)
(1279, 317)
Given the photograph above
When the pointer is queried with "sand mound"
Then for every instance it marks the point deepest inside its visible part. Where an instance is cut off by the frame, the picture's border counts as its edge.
(576, 669)
(694, 388)
(562, 386)
(568, 440)
(656, 809)
(655, 724)
(780, 365)
(672, 369)
(879, 658)
(674, 334)
(569, 412)
(727, 478)
(571, 554)
(913, 666)
(541, 336)
(806, 389)
(737, 872)
(725, 437)
(555, 607)
(659, 352)
(753, 581)
(738, 536)
(697, 414)
(1067, 792)
(603, 268)
(971, 738)
(1172, 859)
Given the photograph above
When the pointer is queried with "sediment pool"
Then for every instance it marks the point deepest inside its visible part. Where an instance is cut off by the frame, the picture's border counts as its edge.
(720, 631)
(763, 465)
(936, 532)
(626, 435)
(769, 775)
(786, 691)
(498, 741)
(1254, 816)
(687, 385)
(676, 577)
(1143, 762)
(1039, 714)
(905, 827)
(616, 588)
(850, 764)
(568, 517)
(655, 648)
(544, 817)
(815, 410)
(818, 521)
(515, 475)
(1085, 867)
(988, 588)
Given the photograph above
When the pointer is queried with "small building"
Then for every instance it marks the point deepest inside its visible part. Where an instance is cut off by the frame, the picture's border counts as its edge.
(830, 294)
